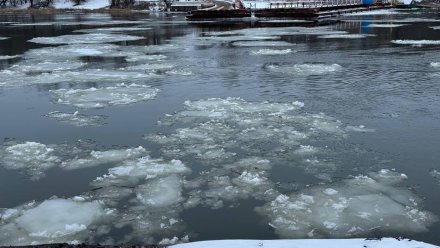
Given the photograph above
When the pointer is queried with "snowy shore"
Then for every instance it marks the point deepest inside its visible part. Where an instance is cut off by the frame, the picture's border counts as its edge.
(309, 243)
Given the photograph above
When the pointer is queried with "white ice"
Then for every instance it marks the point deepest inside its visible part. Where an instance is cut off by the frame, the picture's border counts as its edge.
(344, 36)
(102, 157)
(77, 119)
(4, 38)
(271, 52)
(52, 221)
(5, 57)
(32, 157)
(85, 39)
(416, 43)
(385, 25)
(351, 208)
(120, 94)
(262, 44)
(305, 69)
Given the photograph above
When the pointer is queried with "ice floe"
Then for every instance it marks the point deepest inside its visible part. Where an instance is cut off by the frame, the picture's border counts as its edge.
(52, 221)
(304, 69)
(271, 52)
(34, 158)
(113, 30)
(77, 119)
(352, 208)
(416, 43)
(5, 57)
(262, 44)
(435, 174)
(344, 36)
(84, 39)
(4, 38)
(120, 94)
(435, 64)
(385, 25)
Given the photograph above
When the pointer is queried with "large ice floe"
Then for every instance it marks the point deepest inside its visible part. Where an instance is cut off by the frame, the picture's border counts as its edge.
(34, 158)
(55, 220)
(85, 38)
(354, 207)
(120, 94)
(271, 52)
(304, 69)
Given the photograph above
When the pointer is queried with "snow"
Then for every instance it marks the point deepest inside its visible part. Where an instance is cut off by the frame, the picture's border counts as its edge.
(351, 208)
(375, 12)
(77, 119)
(416, 43)
(309, 243)
(85, 39)
(304, 69)
(54, 220)
(120, 94)
(271, 52)
(90, 4)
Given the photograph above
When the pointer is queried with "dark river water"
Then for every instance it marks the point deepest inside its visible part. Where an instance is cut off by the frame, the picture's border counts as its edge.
(282, 129)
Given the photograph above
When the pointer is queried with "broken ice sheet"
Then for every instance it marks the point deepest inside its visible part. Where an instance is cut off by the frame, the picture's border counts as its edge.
(271, 52)
(77, 119)
(85, 39)
(154, 189)
(33, 158)
(55, 220)
(121, 94)
(351, 208)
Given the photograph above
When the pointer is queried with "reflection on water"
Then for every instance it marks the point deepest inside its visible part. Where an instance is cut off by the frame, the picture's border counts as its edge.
(143, 127)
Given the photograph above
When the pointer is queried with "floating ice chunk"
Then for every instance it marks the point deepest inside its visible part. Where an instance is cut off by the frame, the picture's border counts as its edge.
(271, 52)
(344, 36)
(113, 30)
(304, 69)
(435, 64)
(77, 119)
(377, 25)
(142, 58)
(350, 208)
(132, 172)
(435, 174)
(262, 44)
(360, 128)
(416, 43)
(51, 221)
(5, 57)
(151, 67)
(161, 192)
(85, 39)
(174, 240)
(120, 94)
(3, 38)
(70, 51)
(32, 157)
(29, 66)
(102, 157)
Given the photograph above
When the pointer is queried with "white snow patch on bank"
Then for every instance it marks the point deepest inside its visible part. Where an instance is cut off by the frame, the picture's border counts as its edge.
(120, 94)
(84, 39)
(89, 4)
(354, 207)
(309, 243)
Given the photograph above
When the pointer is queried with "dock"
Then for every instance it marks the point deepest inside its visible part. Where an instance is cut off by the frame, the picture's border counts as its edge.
(297, 9)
